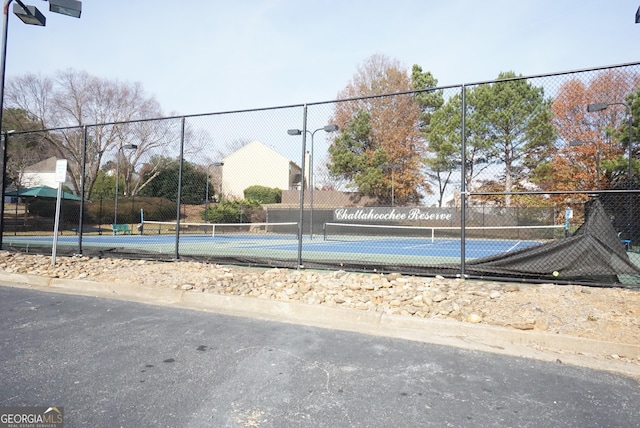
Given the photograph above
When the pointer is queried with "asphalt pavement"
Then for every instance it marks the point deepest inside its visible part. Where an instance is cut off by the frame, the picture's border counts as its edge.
(117, 363)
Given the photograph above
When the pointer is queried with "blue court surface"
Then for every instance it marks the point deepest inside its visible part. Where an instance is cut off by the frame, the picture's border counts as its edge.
(263, 244)
(410, 247)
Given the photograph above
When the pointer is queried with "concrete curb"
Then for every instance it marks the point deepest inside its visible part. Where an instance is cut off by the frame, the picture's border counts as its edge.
(501, 340)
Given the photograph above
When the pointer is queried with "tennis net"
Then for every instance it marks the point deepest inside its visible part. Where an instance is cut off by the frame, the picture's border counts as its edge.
(216, 229)
(357, 232)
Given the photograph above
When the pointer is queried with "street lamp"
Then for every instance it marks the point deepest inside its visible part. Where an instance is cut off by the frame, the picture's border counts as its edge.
(392, 167)
(327, 128)
(577, 143)
(206, 201)
(29, 15)
(120, 150)
(66, 7)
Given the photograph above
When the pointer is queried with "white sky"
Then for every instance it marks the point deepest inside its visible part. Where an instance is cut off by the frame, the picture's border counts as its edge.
(203, 56)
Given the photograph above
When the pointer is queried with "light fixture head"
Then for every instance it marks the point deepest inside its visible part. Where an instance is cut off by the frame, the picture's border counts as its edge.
(29, 15)
(66, 7)
(576, 143)
(130, 146)
(596, 107)
(331, 128)
(294, 132)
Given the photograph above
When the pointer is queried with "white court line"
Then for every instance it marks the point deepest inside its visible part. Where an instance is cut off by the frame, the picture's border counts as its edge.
(514, 246)
(430, 244)
(418, 246)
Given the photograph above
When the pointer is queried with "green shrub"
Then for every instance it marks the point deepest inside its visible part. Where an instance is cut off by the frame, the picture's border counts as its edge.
(264, 195)
(243, 211)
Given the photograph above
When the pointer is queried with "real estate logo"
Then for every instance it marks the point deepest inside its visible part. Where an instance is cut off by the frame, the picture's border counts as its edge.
(31, 417)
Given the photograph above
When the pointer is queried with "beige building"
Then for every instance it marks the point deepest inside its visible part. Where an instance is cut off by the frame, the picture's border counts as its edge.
(258, 164)
(42, 173)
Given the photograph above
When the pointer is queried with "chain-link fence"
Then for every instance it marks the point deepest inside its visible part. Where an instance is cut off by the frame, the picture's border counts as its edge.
(530, 178)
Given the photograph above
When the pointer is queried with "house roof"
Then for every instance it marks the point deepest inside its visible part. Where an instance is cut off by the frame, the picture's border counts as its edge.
(47, 165)
(257, 147)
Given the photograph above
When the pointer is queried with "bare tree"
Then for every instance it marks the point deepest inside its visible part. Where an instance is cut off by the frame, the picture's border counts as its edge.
(73, 99)
(155, 140)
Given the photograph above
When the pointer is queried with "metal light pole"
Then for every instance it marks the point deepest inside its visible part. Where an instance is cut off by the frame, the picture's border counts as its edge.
(603, 106)
(393, 192)
(115, 207)
(206, 201)
(392, 167)
(327, 128)
(29, 15)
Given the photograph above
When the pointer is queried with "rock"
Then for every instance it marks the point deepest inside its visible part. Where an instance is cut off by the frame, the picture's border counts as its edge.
(541, 325)
(361, 306)
(411, 310)
(474, 318)
(592, 312)
(438, 298)
(522, 326)
(339, 274)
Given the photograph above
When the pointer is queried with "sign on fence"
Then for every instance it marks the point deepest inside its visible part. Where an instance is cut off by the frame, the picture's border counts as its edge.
(386, 214)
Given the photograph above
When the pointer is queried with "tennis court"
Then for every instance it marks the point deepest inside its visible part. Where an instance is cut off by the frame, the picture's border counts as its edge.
(339, 241)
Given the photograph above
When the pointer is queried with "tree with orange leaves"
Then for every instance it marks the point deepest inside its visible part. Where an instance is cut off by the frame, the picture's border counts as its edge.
(592, 146)
(380, 146)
